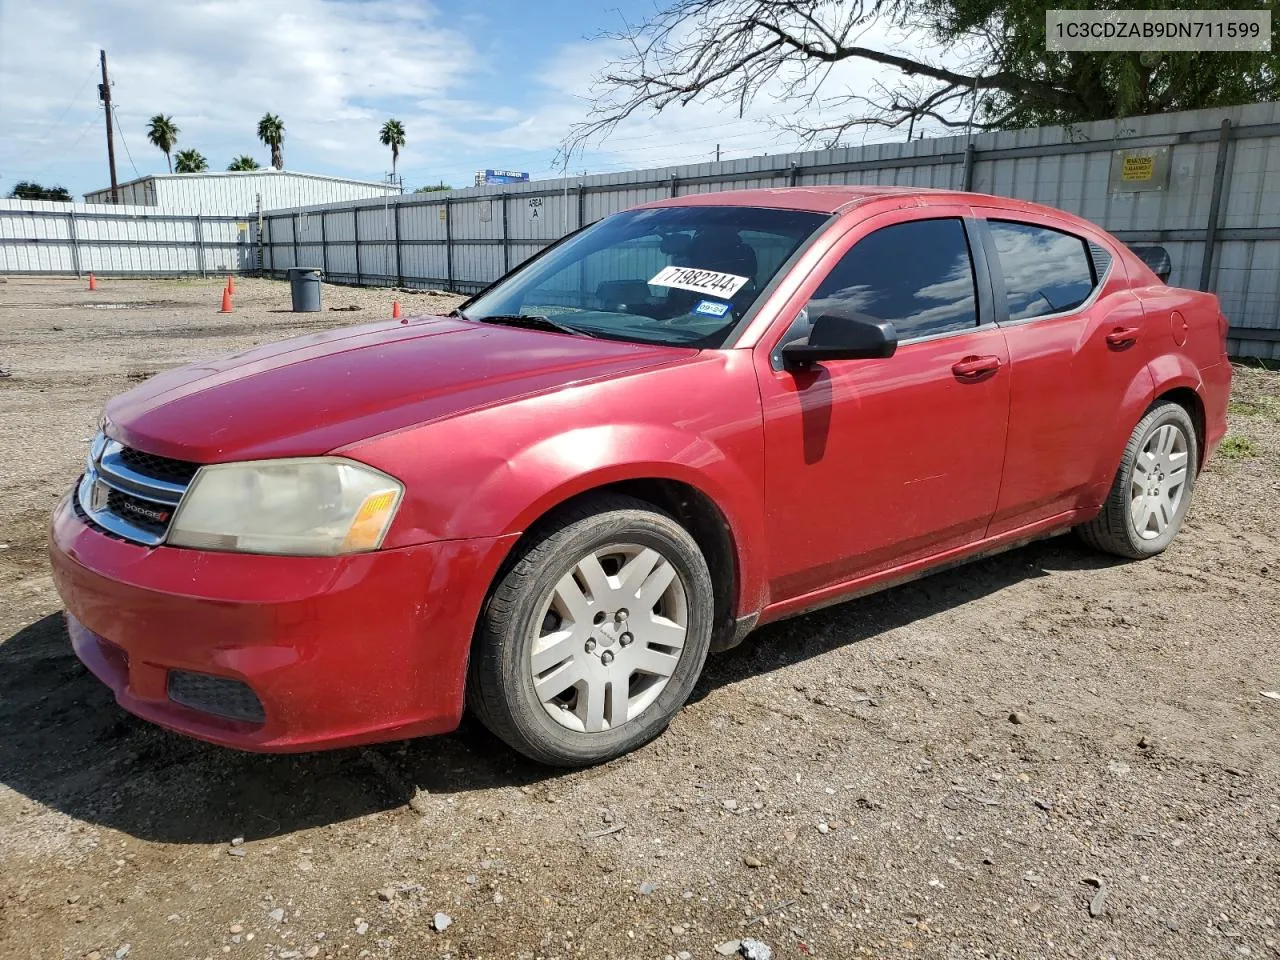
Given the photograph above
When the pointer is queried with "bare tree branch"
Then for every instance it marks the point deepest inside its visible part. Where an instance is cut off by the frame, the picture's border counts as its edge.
(730, 50)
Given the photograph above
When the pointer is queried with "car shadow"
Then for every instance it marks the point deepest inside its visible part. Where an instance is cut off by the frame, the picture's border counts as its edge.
(66, 744)
(786, 642)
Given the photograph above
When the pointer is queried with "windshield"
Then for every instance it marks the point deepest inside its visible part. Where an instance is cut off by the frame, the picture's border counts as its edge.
(682, 276)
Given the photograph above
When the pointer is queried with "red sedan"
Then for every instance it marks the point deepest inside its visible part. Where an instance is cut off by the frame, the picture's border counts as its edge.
(689, 419)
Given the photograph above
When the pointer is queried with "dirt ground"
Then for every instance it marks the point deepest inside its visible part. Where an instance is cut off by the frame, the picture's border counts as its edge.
(1044, 754)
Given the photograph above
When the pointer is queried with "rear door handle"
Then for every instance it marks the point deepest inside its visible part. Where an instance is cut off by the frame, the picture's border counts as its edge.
(1123, 337)
(971, 369)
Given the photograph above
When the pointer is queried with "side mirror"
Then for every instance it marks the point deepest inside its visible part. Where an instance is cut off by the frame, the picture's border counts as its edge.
(836, 337)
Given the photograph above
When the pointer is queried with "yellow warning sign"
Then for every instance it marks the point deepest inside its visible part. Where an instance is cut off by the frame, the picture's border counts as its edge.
(1141, 168)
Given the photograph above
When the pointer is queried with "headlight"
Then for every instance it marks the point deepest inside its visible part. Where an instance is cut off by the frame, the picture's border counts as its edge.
(318, 506)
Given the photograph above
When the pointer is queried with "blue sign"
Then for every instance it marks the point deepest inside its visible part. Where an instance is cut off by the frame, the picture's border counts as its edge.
(505, 176)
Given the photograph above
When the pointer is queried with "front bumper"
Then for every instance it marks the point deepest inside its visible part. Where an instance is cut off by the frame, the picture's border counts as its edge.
(338, 650)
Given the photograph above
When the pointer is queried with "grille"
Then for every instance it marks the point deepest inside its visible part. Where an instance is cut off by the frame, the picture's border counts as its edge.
(219, 696)
(159, 468)
(152, 517)
(130, 493)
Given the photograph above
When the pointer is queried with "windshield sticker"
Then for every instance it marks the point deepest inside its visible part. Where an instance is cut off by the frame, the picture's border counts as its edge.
(710, 308)
(710, 282)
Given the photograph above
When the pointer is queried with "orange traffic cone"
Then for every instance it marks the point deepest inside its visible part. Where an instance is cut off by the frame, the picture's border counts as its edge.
(395, 309)
(93, 282)
(226, 301)
(231, 284)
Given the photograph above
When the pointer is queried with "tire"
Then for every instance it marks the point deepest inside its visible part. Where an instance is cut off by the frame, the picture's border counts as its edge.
(544, 604)
(1124, 526)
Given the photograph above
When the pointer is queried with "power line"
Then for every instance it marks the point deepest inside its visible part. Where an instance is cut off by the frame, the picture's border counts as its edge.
(115, 110)
(71, 149)
(51, 127)
(714, 126)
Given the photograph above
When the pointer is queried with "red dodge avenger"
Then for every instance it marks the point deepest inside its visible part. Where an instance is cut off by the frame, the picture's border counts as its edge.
(675, 425)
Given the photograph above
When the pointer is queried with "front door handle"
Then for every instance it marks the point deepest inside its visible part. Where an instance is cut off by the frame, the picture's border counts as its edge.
(1122, 337)
(972, 369)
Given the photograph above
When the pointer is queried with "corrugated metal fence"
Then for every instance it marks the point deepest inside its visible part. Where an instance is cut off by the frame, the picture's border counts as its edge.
(1219, 216)
(41, 236)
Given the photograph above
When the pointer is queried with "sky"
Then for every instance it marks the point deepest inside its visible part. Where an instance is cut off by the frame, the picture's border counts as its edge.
(478, 84)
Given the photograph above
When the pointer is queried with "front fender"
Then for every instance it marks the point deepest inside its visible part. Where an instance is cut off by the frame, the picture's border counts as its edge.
(568, 464)
(494, 472)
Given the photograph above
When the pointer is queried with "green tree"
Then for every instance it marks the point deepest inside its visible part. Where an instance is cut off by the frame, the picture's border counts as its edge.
(271, 133)
(1063, 88)
(392, 135)
(163, 133)
(190, 161)
(996, 68)
(244, 162)
(30, 190)
(432, 188)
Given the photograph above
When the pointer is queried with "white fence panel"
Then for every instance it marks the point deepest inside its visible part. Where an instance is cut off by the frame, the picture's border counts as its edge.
(77, 238)
(464, 239)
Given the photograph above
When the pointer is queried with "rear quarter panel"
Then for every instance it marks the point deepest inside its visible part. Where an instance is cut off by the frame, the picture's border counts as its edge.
(1190, 352)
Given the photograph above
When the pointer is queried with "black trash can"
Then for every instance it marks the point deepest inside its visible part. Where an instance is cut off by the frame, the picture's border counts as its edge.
(304, 287)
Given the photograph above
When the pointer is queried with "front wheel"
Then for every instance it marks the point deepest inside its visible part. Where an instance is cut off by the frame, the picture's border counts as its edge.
(594, 636)
(1152, 489)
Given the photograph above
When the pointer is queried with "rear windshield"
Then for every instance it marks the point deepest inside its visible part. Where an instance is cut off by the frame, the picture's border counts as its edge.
(672, 275)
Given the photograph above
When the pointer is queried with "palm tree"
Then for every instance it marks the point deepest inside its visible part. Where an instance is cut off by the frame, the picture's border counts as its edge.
(163, 133)
(271, 133)
(190, 161)
(244, 162)
(392, 136)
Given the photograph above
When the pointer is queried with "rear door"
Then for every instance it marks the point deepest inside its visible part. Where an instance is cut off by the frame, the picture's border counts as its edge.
(1077, 347)
(870, 464)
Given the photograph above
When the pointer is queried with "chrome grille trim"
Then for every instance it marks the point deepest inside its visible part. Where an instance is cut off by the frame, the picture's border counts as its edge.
(108, 520)
(105, 466)
(111, 468)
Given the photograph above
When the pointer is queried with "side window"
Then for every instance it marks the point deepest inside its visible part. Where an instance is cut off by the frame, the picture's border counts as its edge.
(917, 274)
(1045, 271)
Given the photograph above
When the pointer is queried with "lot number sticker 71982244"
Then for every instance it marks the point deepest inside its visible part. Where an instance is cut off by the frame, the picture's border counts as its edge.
(710, 282)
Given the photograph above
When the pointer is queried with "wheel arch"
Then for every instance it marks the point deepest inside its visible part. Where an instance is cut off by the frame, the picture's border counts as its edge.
(1189, 400)
(1177, 380)
(691, 506)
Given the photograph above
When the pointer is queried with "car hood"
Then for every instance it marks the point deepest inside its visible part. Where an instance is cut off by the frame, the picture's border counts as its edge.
(313, 394)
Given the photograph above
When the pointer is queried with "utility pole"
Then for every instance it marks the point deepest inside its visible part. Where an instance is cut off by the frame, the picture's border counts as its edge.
(104, 94)
(717, 153)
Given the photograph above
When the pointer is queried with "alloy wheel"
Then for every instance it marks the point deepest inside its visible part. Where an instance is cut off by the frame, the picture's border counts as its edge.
(608, 637)
(1159, 481)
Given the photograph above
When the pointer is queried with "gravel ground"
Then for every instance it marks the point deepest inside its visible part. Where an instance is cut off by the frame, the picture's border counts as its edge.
(1043, 754)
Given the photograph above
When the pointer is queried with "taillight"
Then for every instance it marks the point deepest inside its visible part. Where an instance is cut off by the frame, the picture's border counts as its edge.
(1223, 325)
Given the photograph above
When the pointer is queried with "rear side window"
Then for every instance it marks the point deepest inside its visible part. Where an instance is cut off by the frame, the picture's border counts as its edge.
(916, 274)
(1045, 271)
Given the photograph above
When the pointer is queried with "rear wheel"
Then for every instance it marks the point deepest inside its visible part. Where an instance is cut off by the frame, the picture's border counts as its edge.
(595, 636)
(1152, 489)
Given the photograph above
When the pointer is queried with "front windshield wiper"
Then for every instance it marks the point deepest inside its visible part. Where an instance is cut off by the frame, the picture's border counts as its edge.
(532, 322)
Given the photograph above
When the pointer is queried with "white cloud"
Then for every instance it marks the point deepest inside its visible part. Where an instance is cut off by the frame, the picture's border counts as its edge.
(333, 70)
(330, 70)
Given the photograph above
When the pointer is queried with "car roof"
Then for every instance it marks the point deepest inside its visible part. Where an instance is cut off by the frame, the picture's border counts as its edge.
(836, 198)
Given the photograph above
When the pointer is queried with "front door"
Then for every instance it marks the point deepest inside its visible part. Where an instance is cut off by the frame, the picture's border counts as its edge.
(870, 464)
